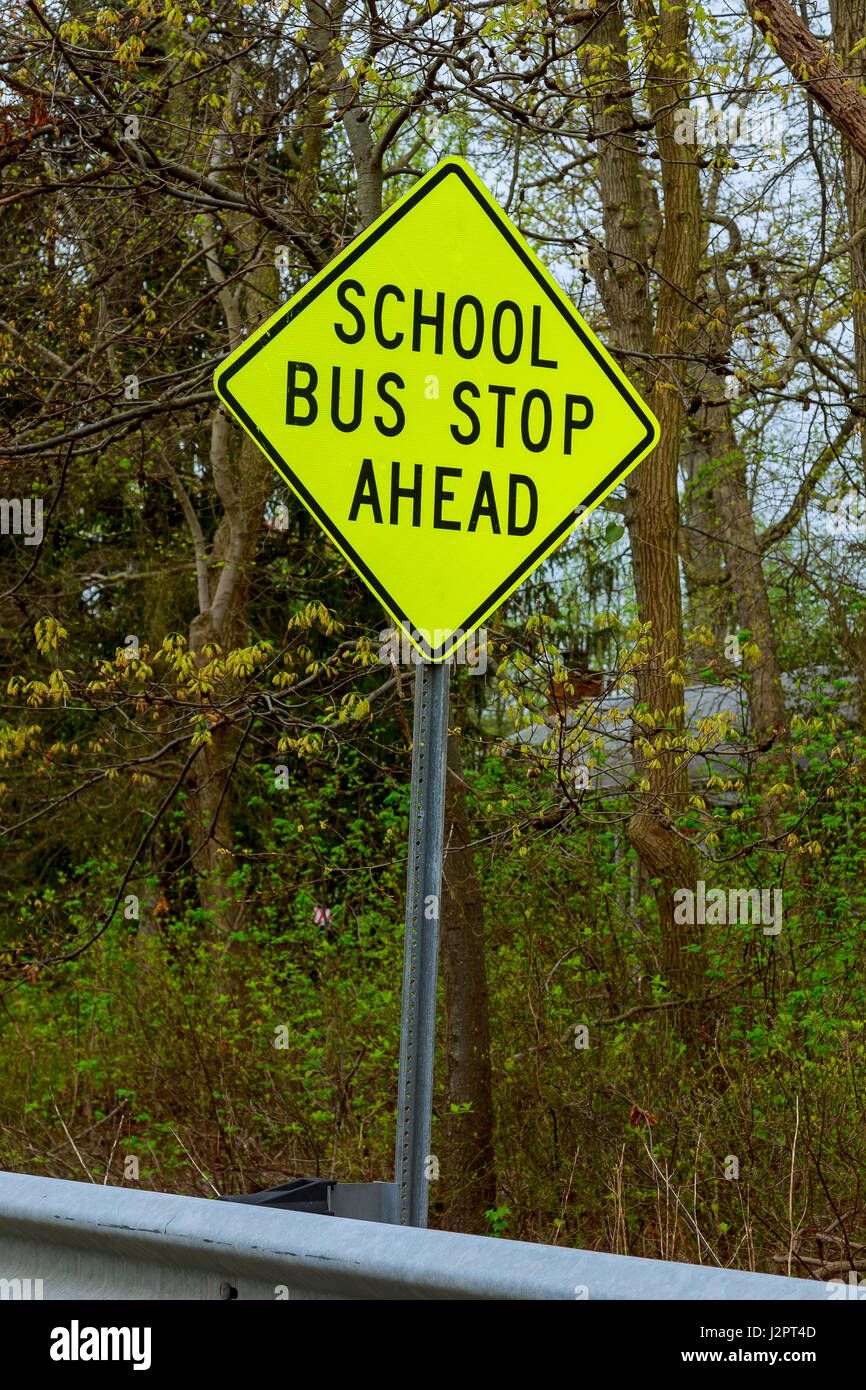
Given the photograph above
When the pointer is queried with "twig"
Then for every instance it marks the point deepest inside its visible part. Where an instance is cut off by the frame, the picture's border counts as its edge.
(193, 1162)
(71, 1140)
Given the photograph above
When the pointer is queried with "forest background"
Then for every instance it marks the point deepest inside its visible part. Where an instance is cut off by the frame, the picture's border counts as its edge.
(205, 746)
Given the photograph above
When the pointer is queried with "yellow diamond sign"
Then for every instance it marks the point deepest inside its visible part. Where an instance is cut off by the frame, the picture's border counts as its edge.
(440, 407)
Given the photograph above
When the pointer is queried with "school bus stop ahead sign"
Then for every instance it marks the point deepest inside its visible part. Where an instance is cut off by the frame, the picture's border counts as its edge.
(440, 407)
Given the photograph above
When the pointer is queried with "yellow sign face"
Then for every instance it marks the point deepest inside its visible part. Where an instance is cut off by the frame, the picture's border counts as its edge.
(440, 407)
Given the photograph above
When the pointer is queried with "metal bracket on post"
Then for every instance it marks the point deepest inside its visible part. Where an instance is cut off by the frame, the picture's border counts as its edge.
(421, 942)
(360, 1201)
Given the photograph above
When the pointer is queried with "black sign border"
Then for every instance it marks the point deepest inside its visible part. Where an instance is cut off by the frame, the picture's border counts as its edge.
(305, 297)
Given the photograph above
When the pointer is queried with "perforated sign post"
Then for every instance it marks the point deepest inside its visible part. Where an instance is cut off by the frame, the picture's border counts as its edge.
(441, 408)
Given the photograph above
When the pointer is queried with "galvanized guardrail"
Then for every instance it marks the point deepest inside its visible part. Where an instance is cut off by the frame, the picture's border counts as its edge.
(75, 1240)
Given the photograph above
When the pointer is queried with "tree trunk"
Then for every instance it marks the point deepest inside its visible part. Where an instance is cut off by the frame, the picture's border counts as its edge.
(654, 524)
(209, 826)
(243, 483)
(632, 227)
(468, 1170)
(849, 27)
(714, 427)
(703, 562)
(812, 66)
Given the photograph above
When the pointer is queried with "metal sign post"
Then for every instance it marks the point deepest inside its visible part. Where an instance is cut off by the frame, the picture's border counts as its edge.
(421, 943)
